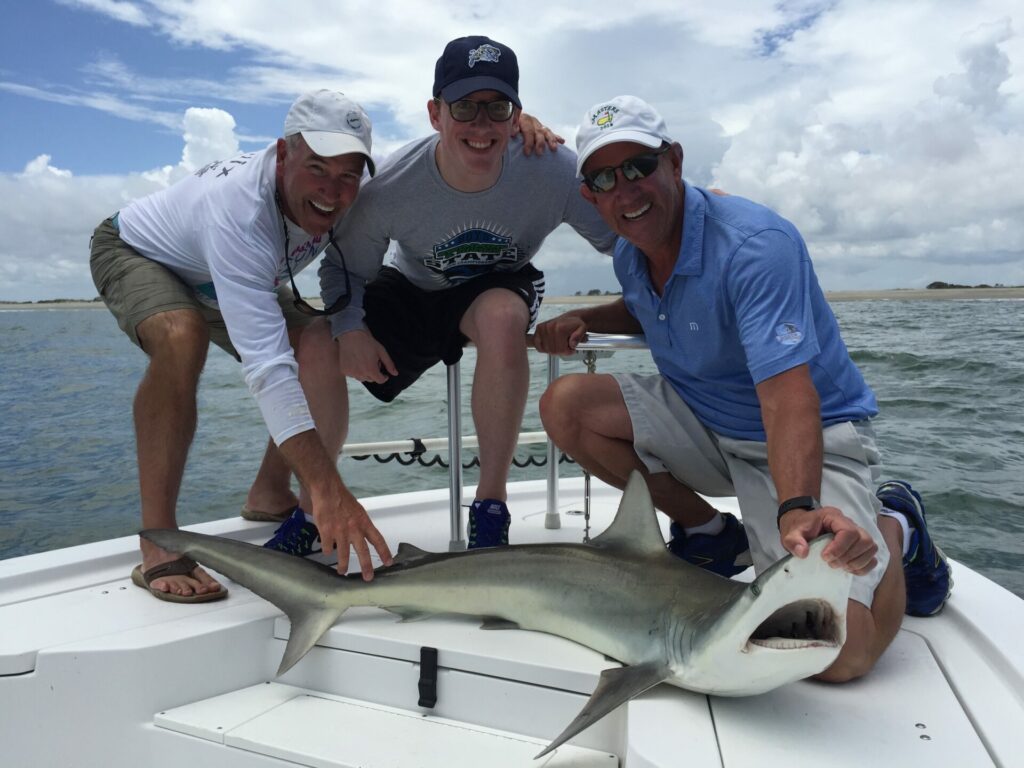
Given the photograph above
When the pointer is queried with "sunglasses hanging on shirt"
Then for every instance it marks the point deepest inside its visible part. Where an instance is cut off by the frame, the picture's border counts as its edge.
(300, 303)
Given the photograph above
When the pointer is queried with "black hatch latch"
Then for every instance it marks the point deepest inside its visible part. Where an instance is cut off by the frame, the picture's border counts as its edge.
(428, 677)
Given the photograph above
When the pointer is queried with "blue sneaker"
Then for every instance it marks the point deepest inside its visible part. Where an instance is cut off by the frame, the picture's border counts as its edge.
(295, 536)
(488, 524)
(925, 568)
(726, 553)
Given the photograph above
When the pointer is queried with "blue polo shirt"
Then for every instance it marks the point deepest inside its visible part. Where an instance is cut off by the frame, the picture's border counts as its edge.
(742, 305)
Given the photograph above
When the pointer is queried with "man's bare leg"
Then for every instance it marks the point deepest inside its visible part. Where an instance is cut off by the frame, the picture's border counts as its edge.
(165, 423)
(496, 323)
(869, 631)
(585, 416)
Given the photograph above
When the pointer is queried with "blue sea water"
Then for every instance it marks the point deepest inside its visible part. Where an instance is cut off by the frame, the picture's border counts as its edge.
(948, 375)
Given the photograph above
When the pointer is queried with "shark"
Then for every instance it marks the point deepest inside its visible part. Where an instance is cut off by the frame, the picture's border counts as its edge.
(622, 594)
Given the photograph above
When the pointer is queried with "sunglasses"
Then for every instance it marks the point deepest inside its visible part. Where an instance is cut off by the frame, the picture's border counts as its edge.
(466, 110)
(300, 303)
(637, 167)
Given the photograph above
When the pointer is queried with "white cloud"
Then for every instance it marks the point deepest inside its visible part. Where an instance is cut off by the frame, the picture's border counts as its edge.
(921, 191)
(889, 131)
(121, 10)
(41, 167)
(209, 136)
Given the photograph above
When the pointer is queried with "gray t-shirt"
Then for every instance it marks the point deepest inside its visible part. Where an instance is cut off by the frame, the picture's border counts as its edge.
(444, 237)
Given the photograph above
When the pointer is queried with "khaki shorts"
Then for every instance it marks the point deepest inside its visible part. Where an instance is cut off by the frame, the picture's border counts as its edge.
(668, 437)
(134, 288)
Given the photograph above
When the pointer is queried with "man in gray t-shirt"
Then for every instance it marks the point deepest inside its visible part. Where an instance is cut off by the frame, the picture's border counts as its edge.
(467, 210)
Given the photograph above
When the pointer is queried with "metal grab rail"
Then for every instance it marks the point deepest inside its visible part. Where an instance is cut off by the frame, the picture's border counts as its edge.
(433, 444)
(595, 344)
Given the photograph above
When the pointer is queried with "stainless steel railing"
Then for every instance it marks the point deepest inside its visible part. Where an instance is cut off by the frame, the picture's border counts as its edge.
(596, 346)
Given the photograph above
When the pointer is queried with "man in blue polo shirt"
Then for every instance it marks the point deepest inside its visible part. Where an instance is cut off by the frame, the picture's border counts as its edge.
(755, 396)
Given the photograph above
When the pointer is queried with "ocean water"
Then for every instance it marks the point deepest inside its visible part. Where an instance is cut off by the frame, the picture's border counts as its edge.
(948, 375)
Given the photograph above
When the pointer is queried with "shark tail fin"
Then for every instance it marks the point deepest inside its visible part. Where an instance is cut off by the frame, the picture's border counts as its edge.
(306, 591)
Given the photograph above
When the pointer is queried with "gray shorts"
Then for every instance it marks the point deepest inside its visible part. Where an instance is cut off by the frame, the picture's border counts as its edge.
(668, 437)
(134, 288)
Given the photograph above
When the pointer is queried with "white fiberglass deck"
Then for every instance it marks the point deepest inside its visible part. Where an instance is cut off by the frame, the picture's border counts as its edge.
(95, 672)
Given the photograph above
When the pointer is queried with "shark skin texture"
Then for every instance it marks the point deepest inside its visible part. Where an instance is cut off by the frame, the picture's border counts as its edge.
(623, 595)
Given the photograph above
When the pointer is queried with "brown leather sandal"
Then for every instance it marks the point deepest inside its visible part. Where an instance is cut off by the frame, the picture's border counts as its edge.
(260, 516)
(183, 566)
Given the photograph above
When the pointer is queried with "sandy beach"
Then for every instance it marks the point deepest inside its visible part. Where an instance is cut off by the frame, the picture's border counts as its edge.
(895, 294)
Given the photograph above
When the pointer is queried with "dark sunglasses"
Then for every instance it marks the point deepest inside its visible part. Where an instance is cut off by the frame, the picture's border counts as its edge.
(466, 110)
(637, 167)
(300, 303)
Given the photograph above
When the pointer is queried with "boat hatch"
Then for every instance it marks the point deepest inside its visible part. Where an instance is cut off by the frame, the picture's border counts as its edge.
(317, 729)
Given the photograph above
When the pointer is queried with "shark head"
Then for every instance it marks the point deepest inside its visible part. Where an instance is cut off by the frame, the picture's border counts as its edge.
(787, 624)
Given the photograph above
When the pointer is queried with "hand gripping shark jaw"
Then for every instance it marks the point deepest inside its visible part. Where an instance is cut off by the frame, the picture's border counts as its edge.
(623, 595)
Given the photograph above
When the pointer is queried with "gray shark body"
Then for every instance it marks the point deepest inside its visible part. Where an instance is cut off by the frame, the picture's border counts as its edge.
(623, 595)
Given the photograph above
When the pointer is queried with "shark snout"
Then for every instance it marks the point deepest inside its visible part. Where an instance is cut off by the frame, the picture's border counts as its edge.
(788, 624)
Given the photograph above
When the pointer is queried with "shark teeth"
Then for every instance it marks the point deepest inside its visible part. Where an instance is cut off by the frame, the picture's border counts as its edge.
(800, 624)
(637, 213)
(791, 644)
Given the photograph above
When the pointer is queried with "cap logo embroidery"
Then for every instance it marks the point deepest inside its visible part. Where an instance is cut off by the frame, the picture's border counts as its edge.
(355, 122)
(604, 117)
(484, 53)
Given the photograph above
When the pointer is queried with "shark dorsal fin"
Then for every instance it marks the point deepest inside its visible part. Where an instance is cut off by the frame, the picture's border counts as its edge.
(635, 527)
(407, 552)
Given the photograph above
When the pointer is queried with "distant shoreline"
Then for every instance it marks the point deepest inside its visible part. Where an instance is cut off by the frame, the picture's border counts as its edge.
(897, 294)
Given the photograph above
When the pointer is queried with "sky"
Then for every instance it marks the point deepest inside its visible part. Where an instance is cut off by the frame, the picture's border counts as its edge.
(890, 132)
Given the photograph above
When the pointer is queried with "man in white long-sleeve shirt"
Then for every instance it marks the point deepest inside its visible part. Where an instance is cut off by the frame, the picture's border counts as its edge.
(212, 258)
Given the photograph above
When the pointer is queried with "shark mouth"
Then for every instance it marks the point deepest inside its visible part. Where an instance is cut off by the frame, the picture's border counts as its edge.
(801, 624)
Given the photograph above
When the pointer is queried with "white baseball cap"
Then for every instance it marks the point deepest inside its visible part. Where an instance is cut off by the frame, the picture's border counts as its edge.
(624, 118)
(332, 124)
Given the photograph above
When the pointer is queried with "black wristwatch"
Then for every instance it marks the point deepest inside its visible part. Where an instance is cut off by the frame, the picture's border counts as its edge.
(797, 502)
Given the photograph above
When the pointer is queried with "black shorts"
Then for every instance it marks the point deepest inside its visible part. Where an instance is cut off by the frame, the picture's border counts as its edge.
(421, 328)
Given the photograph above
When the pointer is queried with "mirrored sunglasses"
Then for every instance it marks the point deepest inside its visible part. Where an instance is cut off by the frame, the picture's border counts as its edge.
(635, 168)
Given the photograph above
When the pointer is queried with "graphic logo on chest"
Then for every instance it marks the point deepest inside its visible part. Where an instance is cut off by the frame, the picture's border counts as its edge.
(473, 252)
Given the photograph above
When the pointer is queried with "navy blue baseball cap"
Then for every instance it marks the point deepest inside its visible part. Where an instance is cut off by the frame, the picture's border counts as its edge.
(476, 63)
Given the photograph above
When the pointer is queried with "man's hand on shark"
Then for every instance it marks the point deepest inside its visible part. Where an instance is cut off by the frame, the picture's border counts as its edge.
(347, 523)
(852, 549)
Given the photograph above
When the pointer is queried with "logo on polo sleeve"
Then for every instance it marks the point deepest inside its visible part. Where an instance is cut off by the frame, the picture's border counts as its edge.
(788, 334)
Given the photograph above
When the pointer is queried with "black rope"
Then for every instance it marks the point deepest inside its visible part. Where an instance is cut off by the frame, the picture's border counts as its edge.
(416, 456)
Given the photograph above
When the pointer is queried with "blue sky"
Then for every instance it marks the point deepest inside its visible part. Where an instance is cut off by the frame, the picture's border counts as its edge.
(889, 132)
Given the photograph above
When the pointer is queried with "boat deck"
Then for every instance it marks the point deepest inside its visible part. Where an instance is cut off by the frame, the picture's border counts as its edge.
(94, 672)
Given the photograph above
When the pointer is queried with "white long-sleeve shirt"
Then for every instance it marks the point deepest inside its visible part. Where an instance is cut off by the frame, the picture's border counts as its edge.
(220, 231)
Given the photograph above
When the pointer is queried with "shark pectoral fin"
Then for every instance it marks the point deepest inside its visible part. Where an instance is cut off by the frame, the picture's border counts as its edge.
(408, 614)
(493, 622)
(616, 686)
